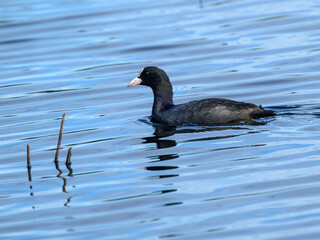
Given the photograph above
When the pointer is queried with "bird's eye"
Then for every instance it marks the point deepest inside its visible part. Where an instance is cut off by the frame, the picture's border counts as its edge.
(146, 73)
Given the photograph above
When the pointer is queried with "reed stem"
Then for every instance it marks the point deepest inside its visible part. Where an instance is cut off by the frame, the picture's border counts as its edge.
(60, 138)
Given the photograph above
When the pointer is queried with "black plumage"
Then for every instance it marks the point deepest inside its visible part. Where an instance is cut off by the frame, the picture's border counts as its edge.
(209, 111)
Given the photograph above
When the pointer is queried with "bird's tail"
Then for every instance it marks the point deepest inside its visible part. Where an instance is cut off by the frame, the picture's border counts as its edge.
(261, 112)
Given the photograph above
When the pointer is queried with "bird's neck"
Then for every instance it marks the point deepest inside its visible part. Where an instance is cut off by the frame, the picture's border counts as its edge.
(162, 98)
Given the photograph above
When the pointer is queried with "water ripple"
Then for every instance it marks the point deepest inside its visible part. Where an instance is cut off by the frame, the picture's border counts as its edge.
(130, 178)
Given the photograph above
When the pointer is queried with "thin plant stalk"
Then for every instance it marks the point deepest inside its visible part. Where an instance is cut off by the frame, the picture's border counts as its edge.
(60, 138)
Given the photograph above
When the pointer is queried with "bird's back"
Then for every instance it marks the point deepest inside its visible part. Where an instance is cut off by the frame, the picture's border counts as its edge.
(211, 111)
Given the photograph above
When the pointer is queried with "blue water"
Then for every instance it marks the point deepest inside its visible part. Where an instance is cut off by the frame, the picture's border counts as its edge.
(130, 179)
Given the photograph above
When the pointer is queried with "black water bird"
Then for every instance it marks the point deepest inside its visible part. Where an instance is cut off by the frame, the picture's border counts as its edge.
(211, 111)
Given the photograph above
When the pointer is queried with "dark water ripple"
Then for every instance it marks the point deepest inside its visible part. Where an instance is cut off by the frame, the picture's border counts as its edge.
(130, 179)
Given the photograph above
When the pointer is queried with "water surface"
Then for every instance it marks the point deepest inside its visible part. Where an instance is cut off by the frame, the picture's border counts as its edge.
(129, 178)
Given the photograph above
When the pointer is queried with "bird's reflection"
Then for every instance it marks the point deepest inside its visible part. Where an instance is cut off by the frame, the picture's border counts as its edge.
(166, 165)
(162, 131)
(164, 157)
(160, 168)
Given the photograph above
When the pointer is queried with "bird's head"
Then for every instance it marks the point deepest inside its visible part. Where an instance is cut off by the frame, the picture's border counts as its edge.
(151, 77)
